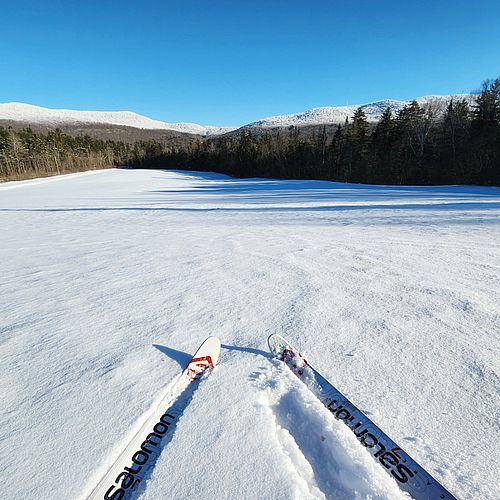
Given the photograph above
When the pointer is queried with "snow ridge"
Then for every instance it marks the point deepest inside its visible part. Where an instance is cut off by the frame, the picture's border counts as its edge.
(337, 114)
(28, 113)
(326, 115)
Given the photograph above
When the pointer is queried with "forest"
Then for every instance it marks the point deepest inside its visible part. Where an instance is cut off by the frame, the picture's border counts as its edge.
(420, 145)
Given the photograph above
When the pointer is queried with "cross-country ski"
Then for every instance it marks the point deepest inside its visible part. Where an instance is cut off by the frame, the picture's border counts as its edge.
(411, 477)
(171, 171)
(134, 462)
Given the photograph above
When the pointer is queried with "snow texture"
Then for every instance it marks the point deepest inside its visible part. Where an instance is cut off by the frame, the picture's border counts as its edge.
(111, 279)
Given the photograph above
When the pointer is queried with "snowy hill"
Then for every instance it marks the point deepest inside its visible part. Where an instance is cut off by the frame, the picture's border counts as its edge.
(111, 279)
(338, 114)
(28, 113)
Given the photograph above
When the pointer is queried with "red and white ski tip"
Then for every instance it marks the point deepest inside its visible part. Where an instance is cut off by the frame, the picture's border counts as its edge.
(198, 366)
(295, 361)
(411, 477)
(138, 455)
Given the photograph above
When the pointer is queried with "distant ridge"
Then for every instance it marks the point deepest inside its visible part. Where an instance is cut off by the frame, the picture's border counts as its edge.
(328, 115)
(27, 113)
(332, 115)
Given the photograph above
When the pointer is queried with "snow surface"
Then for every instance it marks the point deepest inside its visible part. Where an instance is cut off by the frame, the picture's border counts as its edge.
(111, 279)
(338, 114)
(28, 113)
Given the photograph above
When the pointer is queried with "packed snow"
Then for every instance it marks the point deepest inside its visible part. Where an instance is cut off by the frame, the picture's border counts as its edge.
(28, 113)
(111, 279)
(328, 115)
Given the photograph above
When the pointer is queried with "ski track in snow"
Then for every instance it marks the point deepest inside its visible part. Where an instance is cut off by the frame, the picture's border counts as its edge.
(110, 280)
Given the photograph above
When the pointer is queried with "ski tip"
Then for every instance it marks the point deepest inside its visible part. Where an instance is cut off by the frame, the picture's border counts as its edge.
(275, 340)
(210, 347)
(213, 339)
(270, 340)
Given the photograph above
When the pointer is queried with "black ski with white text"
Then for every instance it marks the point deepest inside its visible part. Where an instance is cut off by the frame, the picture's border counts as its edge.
(409, 475)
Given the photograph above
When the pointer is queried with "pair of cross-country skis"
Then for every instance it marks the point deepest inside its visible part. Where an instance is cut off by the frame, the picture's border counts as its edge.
(133, 463)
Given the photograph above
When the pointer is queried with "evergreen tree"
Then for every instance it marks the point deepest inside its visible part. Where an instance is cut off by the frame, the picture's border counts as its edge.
(382, 141)
(485, 135)
(487, 109)
(359, 127)
(418, 146)
(412, 131)
(320, 146)
(358, 146)
(336, 156)
(454, 138)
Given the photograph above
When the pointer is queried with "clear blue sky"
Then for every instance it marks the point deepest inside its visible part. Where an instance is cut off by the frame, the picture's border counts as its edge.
(231, 62)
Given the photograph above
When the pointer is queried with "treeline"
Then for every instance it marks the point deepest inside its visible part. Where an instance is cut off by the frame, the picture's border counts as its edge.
(420, 145)
(25, 153)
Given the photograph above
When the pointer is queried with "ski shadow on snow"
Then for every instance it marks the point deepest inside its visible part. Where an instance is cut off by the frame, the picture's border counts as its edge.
(180, 356)
(183, 357)
(251, 350)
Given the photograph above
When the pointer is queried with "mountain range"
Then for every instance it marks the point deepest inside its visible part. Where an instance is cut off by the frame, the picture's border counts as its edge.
(27, 114)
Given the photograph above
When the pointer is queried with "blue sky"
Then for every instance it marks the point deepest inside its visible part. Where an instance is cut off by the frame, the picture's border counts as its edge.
(232, 62)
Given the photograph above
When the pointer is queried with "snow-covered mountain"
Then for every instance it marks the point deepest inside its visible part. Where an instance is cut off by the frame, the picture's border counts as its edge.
(28, 113)
(337, 114)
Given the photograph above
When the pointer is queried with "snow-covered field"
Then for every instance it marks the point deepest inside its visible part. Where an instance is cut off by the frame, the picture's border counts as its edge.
(110, 279)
